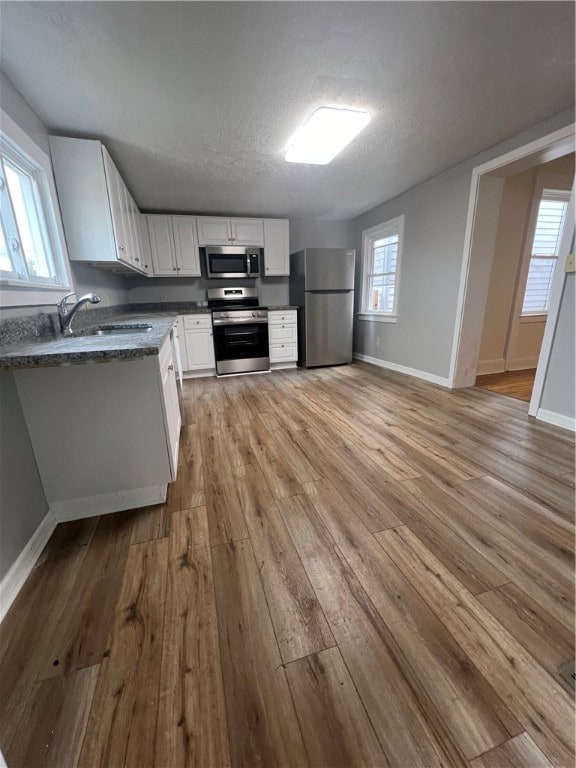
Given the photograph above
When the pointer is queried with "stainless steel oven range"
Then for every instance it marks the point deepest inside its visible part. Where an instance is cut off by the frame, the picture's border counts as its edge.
(240, 330)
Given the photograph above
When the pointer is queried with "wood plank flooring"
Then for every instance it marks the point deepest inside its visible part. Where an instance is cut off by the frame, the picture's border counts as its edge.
(354, 568)
(517, 384)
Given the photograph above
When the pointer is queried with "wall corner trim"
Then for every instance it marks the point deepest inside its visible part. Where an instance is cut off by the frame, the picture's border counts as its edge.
(558, 419)
(14, 580)
(431, 377)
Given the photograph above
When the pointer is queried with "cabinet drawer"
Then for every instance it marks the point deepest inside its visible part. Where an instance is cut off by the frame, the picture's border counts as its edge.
(197, 321)
(281, 318)
(283, 352)
(282, 333)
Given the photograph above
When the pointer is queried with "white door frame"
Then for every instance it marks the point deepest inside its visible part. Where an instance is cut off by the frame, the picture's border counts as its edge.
(556, 289)
(469, 313)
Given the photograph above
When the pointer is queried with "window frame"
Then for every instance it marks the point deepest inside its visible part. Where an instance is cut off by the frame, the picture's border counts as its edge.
(15, 292)
(543, 192)
(369, 236)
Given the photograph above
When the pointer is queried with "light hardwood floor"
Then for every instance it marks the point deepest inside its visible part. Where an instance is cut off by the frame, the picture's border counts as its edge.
(517, 384)
(354, 568)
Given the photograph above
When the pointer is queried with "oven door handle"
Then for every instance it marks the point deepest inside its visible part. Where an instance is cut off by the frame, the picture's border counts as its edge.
(241, 321)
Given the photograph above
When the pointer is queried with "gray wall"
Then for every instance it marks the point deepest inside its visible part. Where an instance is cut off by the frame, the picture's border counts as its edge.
(560, 386)
(434, 229)
(319, 233)
(22, 500)
(144, 289)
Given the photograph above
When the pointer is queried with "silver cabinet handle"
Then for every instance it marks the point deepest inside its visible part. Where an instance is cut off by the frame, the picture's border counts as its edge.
(170, 367)
(175, 269)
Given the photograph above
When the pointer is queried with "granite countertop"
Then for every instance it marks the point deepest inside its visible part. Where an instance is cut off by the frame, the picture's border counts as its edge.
(70, 350)
(46, 347)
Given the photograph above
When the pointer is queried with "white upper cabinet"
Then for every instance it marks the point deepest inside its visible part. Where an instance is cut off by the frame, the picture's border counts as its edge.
(162, 246)
(247, 231)
(276, 248)
(186, 246)
(216, 230)
(98, 211)
(213, 230)
(173, 246)
(145, 244)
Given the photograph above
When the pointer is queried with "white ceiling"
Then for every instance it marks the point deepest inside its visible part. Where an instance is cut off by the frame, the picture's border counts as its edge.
(197, 100)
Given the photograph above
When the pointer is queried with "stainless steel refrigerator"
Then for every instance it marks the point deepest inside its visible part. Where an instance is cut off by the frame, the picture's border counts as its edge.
(322, 287)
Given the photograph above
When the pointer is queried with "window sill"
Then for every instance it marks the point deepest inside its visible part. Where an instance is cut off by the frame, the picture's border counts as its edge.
(17, 294)
(541, 318)
(375, 317)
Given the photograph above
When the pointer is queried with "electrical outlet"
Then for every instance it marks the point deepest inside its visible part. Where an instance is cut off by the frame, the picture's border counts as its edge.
(162, 297)
(275, 296)
(377, 341)
(570, 263)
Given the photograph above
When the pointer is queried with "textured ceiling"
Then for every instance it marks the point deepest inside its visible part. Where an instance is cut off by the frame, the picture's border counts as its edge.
(196, 101)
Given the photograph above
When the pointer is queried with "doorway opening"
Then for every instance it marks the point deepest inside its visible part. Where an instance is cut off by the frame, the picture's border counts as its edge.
(531, 219)
(482, 229)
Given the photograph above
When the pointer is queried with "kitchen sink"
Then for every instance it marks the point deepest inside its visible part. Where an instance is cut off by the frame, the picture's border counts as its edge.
(118, 329)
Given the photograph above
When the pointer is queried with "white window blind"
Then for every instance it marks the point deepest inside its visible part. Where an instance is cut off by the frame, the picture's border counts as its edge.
(381, 256)
(544, 254)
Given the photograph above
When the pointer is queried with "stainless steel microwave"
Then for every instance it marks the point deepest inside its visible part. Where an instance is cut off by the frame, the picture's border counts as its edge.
(231, 261)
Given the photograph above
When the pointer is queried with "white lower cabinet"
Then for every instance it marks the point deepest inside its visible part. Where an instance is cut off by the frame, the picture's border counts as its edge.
(283, 338)
(105, 436)
(198, 344)
(173, 418)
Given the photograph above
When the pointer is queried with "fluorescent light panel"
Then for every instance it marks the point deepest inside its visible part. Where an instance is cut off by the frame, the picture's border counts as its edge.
(325, 134)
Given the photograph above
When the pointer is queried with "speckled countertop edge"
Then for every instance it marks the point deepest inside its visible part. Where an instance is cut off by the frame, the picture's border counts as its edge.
(33, 340)
(72, 350)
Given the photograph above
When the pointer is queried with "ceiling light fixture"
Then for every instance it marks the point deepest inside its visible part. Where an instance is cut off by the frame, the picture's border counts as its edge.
(324, 134)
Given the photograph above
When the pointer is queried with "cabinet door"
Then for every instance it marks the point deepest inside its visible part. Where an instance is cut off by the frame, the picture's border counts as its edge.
(116, 200)
(199, 350)
(145, 244)
(247, 231)
(162, 246)
(186, 246)
(276, 248)
(172, 409)
(136, 235)
(213, 230)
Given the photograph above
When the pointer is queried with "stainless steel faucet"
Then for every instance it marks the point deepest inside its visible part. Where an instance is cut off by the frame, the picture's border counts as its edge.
(66, 314)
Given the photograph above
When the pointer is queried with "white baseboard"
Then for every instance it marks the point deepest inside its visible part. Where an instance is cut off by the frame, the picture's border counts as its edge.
(521, 363)
(490, 366)
(556, 418)
(13, 581)
(106, 503)
(432, 377)
(199, 374)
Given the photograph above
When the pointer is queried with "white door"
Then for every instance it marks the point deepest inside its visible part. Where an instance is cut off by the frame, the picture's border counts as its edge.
(200, 350)
(276, 248)
(186, 246)
(213, 230)
(247, 232)
(162, 246)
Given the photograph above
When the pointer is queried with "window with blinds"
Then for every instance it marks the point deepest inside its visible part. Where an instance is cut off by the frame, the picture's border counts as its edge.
(381, 258)
(544, 254)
